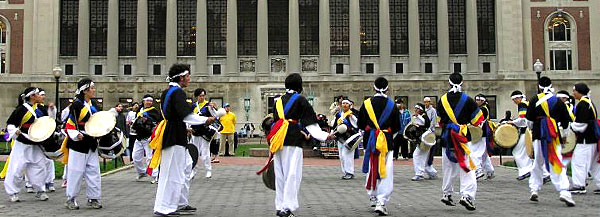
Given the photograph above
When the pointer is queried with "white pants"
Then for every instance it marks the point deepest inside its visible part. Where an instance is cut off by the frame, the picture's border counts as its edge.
(560, 181)
(346, 158)
(480, 157)
(49, 171)
(468, 183)
(385, 186)
(585, 159)
(29, 160)
(519, 152)
(288, 176)
(203, 151)
(173, 180)
(420, 158)
(141, 147)
(83, 166)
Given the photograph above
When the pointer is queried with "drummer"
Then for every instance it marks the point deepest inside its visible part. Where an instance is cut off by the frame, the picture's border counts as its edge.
(202, 107)
(519, 152)
(420, 157)
(346, 117)
(83, 160)
(25, 157)
(140, 146)
(483, 148)
(569, 101)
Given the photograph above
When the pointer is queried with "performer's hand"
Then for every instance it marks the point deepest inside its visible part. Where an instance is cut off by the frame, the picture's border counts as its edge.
(18, 132)
(190, 131)
(210, 120)
(331, 136)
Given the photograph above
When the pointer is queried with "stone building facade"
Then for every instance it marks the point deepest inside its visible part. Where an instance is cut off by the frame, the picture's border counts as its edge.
(241, 50)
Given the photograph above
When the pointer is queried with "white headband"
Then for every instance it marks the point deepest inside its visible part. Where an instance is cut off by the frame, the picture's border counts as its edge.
(518, 96)
(148, 99)
(547, 89)
(562, 95)
(419, 107)
(42, 92)
(455, 87)
(346, 101)
(177, 75)
(34, 91)
(84, 87)
(480, 98)
(380, 90)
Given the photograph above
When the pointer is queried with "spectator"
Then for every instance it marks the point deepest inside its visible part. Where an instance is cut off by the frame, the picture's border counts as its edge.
(228, 123)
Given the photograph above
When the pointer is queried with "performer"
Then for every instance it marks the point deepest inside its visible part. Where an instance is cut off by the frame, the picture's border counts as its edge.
(432, 114)
(291, 114)
(82, 154)
(346, 116)
(146, 119)
(26, 157)
(202, 107)
(420, 157)
(569, 101)
(458, 109)
(483, 148)
(546, 114)
(585, 156)
(378, 117)
(169, 142)
(519, 152)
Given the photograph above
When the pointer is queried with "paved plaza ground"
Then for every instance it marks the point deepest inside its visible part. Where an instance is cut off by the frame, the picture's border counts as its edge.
(235, 190)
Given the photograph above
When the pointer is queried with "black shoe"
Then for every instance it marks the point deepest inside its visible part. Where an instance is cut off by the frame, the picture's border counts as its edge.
(467, 202)
(524, 176)
(597, 191)
(577, 190)
(166, 215)
(94, 203)
(348, 176)
(534, 197)
(447, 199)
(285, 213)
(187, 209)
(547, 179)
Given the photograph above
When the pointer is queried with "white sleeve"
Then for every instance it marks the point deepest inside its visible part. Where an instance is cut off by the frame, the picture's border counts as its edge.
(11, 130)
(354, 121)
(579, 127)
(194, 119)
(73, 134)
(433, 120)
(520, 122)
(316, 132)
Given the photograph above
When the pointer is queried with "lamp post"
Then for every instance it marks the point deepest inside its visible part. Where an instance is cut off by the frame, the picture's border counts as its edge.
(56, 72)
(247, 107)
(538, 67)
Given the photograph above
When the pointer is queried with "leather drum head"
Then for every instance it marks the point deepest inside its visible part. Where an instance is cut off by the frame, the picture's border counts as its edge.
(41, 129)
(342, 128)
(428, 138)
(529, 143)
(570, 143)
(100, 124)
(506, 136)
(476, 133)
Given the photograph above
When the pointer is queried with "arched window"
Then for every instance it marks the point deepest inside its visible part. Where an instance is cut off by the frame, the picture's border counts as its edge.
(559, 29)
(560, 46)
(4, 45)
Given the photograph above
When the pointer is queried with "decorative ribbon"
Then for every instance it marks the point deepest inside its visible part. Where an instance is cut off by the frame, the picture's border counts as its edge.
(377, 146)
(279, 130)
(156, 141)
(455, 134)
(549, 135)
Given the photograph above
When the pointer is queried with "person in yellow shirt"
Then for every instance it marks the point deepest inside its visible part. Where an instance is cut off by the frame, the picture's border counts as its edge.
(228, 122)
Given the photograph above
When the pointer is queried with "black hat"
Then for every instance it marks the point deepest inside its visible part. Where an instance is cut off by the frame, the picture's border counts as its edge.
(294, 82)
(381, 84)
(176, 71)
(456, 78)
(582, 88)
(545, 82)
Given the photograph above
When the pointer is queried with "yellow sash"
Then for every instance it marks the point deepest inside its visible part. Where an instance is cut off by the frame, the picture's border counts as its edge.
(381, 142)
(585, 99)
(344, 115)
(463, 128)
(200, 106)
(156, 143)
(555, 141)
(140, 114)
(279, 137)
(63, 147)
(24, 120)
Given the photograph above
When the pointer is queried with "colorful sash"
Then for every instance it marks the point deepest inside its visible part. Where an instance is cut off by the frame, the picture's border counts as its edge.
(343, 116)
(595, 124)
(33, 112)
(200, 106)
(377, 146)
(72, 124)
(279, 129)
(488, 132)
(455, 134)
(523, 109)
(549, 135)
(156, 141)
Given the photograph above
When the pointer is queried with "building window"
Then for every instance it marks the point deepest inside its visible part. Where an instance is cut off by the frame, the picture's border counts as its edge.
(156, 69)
(98, 27)
(69, 69)
(278, 27)
(492, 106)
(487, 68)
(399, 26)
(127, 27)
(309, 27)
(561, 60)
(127, 69)
(4, 31)
(559, 47)
(428, 67)
(157, 27)
(370, 68)
(216, 69)
(339, 68)
(559, 29)
(457, 26)
(457, 67)
(339, 18)
(399, 68)
(486, 26)
(97, 69)
(247, 25)
(186, 27)
(428, 26)
(369, 27)
(216, 26)
(69, 18)
(218, 101)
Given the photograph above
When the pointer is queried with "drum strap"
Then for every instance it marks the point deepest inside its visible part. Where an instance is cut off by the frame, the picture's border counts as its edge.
(456, 135)
(377, 145)
(279, 130)
(158, 134)
(549, 133)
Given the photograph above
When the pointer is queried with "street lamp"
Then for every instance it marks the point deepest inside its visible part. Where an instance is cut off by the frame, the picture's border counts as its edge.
(538, 67)
(247, 107)
(311, 99)
(56, 72)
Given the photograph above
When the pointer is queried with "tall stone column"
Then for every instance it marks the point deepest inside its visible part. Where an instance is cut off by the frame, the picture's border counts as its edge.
(112, 44)
(414, 37)
(262, 38)
(83, 38)
(171, 40)
(294, 37)
(385, 49)
(472, 37)
(141, 50)
(355, 66)
(201, 39)
(443, 37)
(324, 63)
(232, 60)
